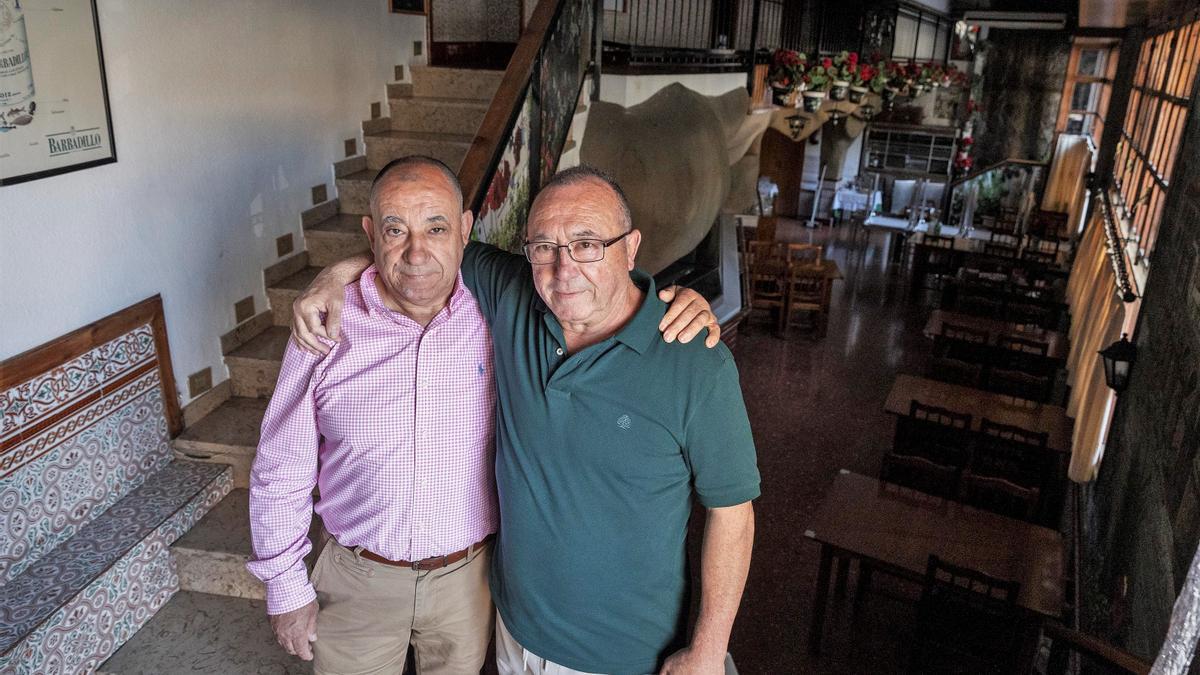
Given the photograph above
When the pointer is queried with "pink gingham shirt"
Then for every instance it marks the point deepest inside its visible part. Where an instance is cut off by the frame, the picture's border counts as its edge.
(397, 427)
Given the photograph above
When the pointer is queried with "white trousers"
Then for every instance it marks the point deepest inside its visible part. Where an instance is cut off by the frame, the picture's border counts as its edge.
(513, 659)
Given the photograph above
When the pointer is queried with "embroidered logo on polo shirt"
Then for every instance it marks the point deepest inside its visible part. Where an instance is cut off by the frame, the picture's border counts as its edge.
(624, 422)
(482, 370)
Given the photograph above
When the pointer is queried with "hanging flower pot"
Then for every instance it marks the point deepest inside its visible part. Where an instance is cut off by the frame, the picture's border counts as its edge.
(838, 90)
(857, 94)
(812, 100)
(917, 90)
(781, 95)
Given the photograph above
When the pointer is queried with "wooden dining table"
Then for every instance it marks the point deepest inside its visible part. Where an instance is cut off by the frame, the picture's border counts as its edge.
(1056, 342)
(896, 529)
(1040, 417)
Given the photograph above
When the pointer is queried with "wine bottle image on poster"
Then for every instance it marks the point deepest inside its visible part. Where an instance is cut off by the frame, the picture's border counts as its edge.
(54, 114)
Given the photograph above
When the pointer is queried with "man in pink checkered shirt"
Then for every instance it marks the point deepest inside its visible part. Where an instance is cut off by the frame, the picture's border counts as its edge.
(394, 426)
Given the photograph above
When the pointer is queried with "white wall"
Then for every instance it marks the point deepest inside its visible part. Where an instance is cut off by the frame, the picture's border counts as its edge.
(225, 114)
(630, 90)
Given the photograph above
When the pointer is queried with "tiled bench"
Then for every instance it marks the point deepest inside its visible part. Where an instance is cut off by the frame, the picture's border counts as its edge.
(90, 498)
(72, 608)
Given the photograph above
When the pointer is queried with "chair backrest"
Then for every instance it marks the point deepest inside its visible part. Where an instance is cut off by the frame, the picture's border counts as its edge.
(1040, 257)
(1023, 345)
(765, 231)
(965, 333)
(764, 254)
(937, 241)
(1042, 315)
(1004, 238)
(1012, 453)
(1001, 250)
(978, 305)
(998, 495)
(1019, 383)
(967, 622)
(921, 474)
(1049, 225)
(944, 368)
(802, 254)
(937, 434)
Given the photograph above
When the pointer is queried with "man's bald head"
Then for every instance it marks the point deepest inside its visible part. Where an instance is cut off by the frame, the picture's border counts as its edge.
(411, 168)
(582, 174)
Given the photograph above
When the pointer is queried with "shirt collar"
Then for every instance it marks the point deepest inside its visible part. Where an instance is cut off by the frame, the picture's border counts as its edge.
(641, 331)
(376, 307)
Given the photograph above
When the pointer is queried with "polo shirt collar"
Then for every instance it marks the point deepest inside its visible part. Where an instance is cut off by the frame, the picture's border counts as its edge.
(642, 330)
(376, 307)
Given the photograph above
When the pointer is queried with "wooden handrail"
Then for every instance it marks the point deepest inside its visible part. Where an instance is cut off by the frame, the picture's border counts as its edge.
(1096, 648)
(475, 173)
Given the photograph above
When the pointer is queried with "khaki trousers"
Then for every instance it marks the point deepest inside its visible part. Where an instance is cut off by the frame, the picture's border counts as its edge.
(370, 612)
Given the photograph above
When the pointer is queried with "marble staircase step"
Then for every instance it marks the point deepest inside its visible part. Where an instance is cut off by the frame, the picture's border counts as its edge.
(227, 435)
(437, 114)
(388, 145)
(212, 556)
(201, 633)
(455, 82)
(285, 292)
(335, 238)
(354, 191)
(399, 89)
(254, 367)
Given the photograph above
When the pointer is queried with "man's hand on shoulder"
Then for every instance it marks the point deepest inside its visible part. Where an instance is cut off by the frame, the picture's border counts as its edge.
(325, 295)
(688, 314)
(688, 661)
(297, 630)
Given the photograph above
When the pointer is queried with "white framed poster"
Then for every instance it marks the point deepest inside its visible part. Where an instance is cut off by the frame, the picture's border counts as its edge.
(54, 114)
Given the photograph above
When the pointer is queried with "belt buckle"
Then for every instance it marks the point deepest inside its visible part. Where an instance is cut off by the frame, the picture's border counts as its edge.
(429, 563)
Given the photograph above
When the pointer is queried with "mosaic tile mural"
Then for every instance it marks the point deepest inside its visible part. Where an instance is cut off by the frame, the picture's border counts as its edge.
(76, 439)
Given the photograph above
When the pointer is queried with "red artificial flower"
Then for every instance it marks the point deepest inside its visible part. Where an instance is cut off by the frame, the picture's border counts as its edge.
(853, 58)
(966, 142)
(827, 62)
(852, 68)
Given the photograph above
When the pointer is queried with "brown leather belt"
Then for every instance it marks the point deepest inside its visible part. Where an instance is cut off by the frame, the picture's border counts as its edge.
(434, 563)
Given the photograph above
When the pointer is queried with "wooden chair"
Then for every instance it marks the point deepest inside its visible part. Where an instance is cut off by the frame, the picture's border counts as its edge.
(920, 474)
(934, 433)
(1023, 345)
(1039, 257)
(954, 371)
(938, 260)
(765, 231)
(1033, 313)
(965, 333)
(999, 496)
(767, 275)
(1018, 383)
(1049, 225)
(1014, 454)
(967, 622)
(803, 255)
(1008, 239)
(1000, 250)
(803, 292)
(978, 305)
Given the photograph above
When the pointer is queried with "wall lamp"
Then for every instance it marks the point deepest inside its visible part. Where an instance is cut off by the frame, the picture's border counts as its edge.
(1118, 361)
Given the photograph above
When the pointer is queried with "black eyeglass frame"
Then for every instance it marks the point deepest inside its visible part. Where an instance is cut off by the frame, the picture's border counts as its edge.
(603, 248)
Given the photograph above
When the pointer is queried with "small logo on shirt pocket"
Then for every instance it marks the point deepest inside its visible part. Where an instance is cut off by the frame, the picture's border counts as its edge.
(624, 422)
(482, 370)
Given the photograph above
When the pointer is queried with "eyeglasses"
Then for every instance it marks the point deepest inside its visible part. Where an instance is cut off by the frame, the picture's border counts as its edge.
(580, 250)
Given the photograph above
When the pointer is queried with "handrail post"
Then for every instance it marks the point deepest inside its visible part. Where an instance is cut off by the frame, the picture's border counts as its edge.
(753, 61)
(597, 45)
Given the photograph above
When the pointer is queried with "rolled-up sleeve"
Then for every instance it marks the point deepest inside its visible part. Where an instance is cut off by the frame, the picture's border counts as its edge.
(281, 485)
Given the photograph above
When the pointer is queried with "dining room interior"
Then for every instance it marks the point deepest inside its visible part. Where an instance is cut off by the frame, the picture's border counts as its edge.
(952, 245)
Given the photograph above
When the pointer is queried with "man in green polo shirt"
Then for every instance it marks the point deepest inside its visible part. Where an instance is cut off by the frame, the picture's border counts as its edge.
(604, 433)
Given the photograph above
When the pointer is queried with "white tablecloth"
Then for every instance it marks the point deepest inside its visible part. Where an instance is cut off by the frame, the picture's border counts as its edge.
(848, 200)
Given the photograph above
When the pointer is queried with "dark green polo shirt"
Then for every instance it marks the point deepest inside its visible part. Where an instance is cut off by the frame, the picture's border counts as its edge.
(598, 454)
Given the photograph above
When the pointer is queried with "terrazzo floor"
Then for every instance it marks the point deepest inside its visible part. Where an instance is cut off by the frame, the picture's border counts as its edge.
(816, 406)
